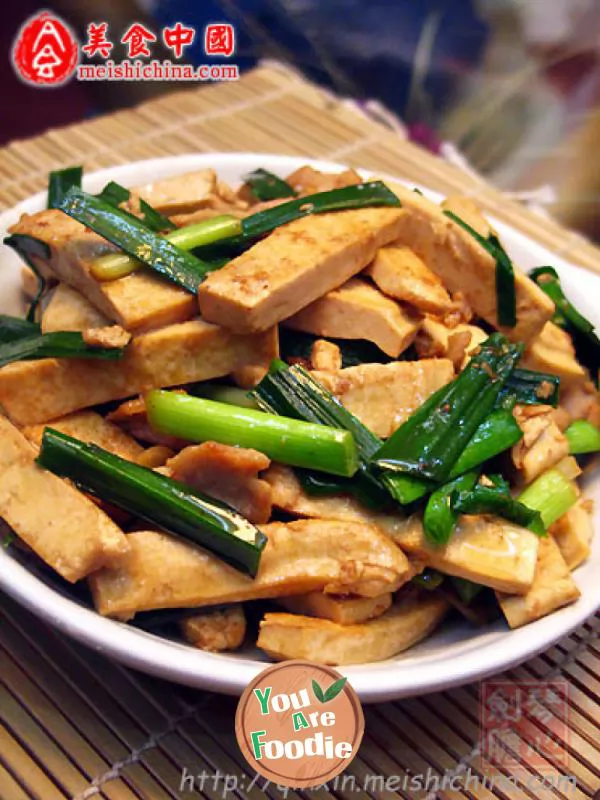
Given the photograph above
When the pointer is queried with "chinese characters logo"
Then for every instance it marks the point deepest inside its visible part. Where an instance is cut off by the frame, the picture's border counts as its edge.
(45, 52)
(524, 722)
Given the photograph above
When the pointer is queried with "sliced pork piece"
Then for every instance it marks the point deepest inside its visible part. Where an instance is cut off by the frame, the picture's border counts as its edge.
(226, 473)
(383, 396)
(68, 310)
(308, 180)
(216, 630)
(483, 549)
(132, 418)
(66, 529)
(553, 588)
(410, 620)
(581, 401)
(543, 444)
(464, 266)
(180, 193)
(140, 301)
(88, 426)
(32, 392)
(400, 273)
(294, 266)
(357, 310)
(436, 340)
(161, 571)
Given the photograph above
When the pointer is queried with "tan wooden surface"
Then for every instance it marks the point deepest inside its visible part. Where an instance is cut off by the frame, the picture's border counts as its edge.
(75, 725)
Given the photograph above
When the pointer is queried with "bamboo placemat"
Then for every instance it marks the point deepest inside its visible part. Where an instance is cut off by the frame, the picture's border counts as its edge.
(75, 725)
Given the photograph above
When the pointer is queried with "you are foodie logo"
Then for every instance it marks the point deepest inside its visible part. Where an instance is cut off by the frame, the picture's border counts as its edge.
(299, 724)
(47, 53)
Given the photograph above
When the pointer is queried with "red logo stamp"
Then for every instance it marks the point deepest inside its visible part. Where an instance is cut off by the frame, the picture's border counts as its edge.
(45, 51)
(219, 39)
(524, 722)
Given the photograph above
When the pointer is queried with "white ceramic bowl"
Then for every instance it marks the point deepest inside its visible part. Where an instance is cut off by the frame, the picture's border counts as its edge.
(456, 654)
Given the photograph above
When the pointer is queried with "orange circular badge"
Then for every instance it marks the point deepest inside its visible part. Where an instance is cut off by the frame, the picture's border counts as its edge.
(299, 724)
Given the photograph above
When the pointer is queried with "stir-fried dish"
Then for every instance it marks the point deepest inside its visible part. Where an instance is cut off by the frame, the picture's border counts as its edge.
(315, 414)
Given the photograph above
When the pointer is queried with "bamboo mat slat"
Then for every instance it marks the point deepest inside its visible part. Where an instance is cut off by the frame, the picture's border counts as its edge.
(74, 725)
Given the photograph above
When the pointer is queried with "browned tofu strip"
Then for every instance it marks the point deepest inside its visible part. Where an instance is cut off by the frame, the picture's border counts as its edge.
(88, 426)
(140, 301)
(573, 533)
(463, 265)
(216, 629)
(32, 392)
(410, 620)
(325, 555)
(66, 529)
(308, 180)
(383, 396)
(180, 193)
(357, 310)
(468, 210)
(553, 588)
(486, 550)
(68, 310)
(295, 265)
(401, 274)
(552, 350)
(343, 610)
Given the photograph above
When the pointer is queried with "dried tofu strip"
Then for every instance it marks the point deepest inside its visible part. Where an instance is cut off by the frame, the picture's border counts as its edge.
(141, 301)
(88, 426)
(66, 529)
(68, 310)
(464, 266)
(486, 550)
(409, 621)
(32, 392)
(552, 351)
(468, 210)
(573, 533)
(310, 555)
(383, 396)
(294, 266)
(216, 629)
(358, 310)
(553, 588)
(342, 610)
(180, 193)
(400, 273)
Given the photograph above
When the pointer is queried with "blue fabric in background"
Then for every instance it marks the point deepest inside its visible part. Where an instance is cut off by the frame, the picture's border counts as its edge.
(359, 48)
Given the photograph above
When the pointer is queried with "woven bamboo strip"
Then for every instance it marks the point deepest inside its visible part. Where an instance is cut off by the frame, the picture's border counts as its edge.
(30, 775)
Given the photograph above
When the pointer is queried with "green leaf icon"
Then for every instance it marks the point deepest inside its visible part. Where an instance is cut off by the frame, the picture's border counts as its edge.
(318, 692)
(331, 693)
(334, 689)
